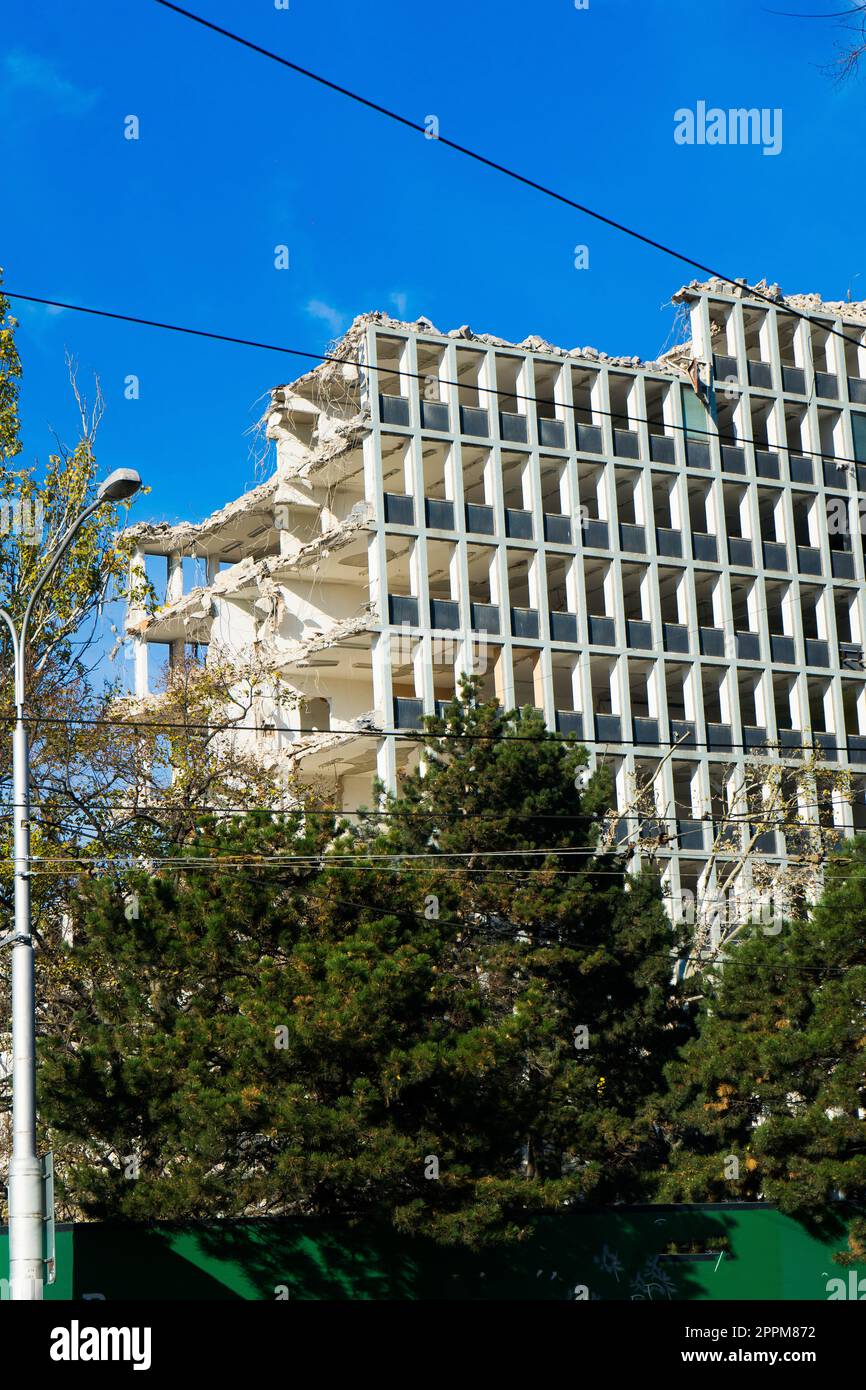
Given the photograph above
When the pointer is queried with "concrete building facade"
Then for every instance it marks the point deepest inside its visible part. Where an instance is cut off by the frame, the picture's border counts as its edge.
(664, 557)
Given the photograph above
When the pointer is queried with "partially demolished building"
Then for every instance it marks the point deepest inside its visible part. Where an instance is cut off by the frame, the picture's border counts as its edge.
(664, 557)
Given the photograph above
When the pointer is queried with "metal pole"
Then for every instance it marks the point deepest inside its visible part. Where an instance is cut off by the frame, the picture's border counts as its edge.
(25, 1170)
(26, 1215)
(26, 1191)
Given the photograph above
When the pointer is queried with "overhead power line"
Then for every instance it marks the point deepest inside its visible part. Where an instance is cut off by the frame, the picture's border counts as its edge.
(616, 417)
(157, 726)
(480, 158)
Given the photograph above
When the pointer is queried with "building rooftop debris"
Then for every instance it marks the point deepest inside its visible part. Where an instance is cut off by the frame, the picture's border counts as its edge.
(327, 396)
(853, 310)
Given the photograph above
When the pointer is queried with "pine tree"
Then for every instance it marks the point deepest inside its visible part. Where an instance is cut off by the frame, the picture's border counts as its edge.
(767, 1100)
(447, 1016)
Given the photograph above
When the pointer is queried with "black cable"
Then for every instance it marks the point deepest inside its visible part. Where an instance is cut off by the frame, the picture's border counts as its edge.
(481, 159)
(156, 726)
(613, 415)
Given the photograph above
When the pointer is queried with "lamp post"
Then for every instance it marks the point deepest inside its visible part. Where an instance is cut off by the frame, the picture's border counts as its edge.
(26, 1216)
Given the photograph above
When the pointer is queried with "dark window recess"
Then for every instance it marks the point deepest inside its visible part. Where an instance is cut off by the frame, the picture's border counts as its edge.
(719, 737)
(639, 634)
(632, 538)
(817, 651)
(794, 380)
(518, 524)
(766, 464)
(704, 547)
(834, 476)
(608, 728)
(683, 732)
(473, 420)
(589, 439)
(775, 555)
(479, 519)
(800, 469)
(782, 649)
(651, 828)
(740, 550)
(568, 721)
(857, 390)
(724, 367)
(595, 534)
(749, 646)
(399, 509)
(485, 617)
(753, 736)
(733, 459)
(444, 614)
(439, 514)
(512, 427)
(827, 385)
(394, 410)
(663, 448)
(408, 713)
(861, 477)
(435, 415)
(551, 433)
(790, 739)
(669, 542)
(625, 444)
(857, 749)
(851, 656)
(712, 641)
(798, 841)
(524, 622)
(563, 627)
(761, 374)
(403, 609)
(765, 843)
(690, 834)
(697, 453)
(842, 564)
(826, 746)
(808, 559)
(602, 631)
(557, 528)
(645, 730)
(440, 706)
(620, 830)
(676, 637)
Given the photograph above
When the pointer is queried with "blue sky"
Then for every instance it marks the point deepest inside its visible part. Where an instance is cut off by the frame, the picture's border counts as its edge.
(237, 156)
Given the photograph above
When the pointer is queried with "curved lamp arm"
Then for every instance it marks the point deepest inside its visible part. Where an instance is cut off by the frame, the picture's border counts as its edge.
(120, 485)
(18, 642)
(16, 648)
(59, 551)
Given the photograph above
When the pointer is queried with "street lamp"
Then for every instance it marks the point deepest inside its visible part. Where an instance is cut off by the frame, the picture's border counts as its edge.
(26, 1217)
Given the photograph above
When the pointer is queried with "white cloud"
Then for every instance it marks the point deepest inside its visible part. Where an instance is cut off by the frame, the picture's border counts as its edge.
(29, 72)
(331, 316)
(400, 300)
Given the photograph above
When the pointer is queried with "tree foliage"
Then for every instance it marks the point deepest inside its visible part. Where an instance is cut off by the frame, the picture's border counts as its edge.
(767, 1100)
(447, 1022)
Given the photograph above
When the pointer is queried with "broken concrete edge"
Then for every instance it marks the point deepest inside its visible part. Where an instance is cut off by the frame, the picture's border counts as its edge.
(344, 352)
(310, 394)
(273, 663)
(249, 575)
(852, 310)
(184, 536)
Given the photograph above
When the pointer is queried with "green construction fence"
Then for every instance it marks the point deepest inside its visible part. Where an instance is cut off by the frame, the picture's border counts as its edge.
(707, 1252)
